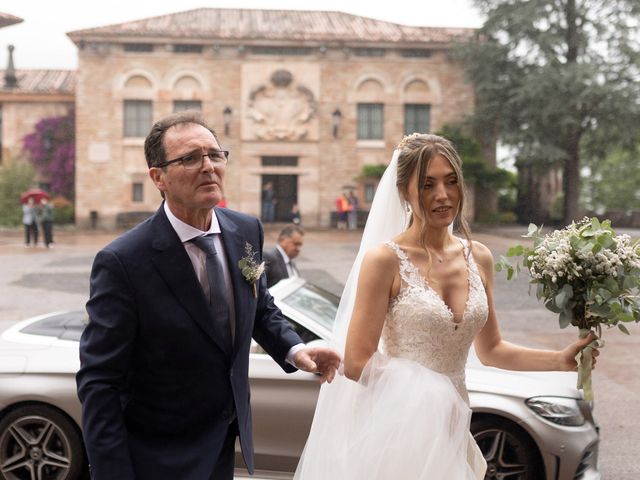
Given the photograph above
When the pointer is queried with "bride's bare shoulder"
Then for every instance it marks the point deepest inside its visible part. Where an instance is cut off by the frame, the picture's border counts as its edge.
(380, 256)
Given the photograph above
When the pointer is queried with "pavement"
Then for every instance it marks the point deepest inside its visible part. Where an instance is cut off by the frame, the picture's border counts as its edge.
(35, 281)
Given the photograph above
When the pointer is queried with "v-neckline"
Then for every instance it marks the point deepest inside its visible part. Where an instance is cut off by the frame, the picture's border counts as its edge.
(429, 288)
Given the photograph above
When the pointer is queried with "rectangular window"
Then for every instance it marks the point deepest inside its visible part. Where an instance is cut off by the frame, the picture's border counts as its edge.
(279, 161)
(370, 121)
(187, 48)
(369, 52)
(138, 47)
(136, 192)
(274, 50)
(415, 53)
(138, 116)
(416, 118)
(180, 105)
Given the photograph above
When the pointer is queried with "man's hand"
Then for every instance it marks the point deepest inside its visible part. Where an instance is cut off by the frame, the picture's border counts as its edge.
(321, 360)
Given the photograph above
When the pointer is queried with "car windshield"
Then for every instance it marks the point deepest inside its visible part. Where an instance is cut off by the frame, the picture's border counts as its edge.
(65, 326)
(318, 304)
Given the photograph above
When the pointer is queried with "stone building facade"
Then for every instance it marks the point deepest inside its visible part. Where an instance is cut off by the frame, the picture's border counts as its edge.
(303, 100)
(26, 97)
(36, 94)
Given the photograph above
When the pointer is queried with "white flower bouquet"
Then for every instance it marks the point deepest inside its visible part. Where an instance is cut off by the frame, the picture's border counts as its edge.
(588, 275)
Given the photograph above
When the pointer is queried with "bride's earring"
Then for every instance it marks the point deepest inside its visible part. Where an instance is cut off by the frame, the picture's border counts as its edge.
(407, 208)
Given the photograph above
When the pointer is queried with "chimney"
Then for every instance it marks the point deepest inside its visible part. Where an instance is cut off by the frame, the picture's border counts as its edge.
(10, 79)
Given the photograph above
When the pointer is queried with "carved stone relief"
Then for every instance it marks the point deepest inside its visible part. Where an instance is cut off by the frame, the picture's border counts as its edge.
(282, 109)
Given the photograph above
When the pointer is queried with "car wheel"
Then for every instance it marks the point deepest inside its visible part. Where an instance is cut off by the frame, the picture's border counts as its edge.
(37, 442)
(509, 451)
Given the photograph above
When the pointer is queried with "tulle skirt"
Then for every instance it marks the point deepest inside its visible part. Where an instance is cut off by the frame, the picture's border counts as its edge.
(400, 421)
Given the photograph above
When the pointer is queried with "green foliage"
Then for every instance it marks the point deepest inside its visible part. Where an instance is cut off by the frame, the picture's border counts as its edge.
(476, 169)
(372, 171)
(63, 211)
(557, 81)
(613, 182)
(498, 218)
(14, 179)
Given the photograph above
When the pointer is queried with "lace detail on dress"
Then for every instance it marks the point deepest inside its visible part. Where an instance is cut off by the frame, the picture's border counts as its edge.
(420, 326)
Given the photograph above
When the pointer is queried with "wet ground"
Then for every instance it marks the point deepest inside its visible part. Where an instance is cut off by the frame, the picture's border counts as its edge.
(34, 281)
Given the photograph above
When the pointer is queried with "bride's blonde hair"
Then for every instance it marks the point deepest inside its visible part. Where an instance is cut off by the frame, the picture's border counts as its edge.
(416, 152)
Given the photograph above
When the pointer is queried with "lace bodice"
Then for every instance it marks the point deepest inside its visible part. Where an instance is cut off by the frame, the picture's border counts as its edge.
(420, 326)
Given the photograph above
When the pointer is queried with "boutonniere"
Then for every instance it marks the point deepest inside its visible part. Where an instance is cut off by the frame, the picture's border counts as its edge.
(251, 269)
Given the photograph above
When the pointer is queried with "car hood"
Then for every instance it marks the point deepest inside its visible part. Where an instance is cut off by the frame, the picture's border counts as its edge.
(18, 358)
(521, 384)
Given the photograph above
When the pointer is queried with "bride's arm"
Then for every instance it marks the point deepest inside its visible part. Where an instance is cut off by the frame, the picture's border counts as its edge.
(493, 351)
(378, 274)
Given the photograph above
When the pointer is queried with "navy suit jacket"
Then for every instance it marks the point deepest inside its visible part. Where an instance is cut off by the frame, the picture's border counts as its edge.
(157, 385)
(276, 268)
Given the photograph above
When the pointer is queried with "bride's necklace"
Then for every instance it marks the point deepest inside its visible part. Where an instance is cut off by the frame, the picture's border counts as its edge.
(438, 257)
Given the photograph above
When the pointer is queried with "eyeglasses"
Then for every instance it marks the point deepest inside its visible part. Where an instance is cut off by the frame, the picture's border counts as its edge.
(195, 160)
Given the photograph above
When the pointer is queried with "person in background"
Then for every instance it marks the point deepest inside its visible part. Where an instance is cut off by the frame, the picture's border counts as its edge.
(279, 260)
(342, 208)
(295, 215)
(30, 222)
(353, 211)
(46, 221)
(268, 203)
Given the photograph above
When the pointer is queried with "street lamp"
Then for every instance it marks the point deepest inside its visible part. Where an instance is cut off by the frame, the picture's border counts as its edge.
(226, 118)
(336, 118)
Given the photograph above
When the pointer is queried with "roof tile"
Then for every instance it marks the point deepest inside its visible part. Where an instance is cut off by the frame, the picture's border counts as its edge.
(42, 81)
(239, 24)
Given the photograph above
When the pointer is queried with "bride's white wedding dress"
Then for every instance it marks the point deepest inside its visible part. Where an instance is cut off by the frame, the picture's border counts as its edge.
(408, 416)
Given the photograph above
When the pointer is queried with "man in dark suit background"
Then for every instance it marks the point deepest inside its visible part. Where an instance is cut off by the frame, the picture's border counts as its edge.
(279, 260)
(164, 359)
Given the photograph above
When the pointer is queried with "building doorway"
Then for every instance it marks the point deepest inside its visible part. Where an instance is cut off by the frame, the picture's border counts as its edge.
(279, 194)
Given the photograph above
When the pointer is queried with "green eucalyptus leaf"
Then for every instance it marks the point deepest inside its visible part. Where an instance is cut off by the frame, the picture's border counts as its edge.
(563, 297)
(551, 306)
(623, 329)
(565, 318)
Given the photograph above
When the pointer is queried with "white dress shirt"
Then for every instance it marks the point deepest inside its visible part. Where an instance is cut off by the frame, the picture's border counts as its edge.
(291, 271)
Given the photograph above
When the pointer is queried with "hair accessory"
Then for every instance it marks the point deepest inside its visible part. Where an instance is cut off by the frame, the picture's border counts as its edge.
(407, 138)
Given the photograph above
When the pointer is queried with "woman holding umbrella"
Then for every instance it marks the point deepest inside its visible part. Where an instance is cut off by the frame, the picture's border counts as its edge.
(30, 222)
(30, 213)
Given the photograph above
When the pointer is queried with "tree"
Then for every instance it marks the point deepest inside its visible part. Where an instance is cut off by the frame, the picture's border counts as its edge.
(15, 178)
(558, 80)
(613, 183)
(51, 150)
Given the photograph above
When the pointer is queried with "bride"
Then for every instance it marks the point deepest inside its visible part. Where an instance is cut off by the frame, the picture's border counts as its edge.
(416, 298)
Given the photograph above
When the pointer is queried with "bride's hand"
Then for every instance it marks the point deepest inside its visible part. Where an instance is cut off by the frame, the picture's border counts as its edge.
(568, 355)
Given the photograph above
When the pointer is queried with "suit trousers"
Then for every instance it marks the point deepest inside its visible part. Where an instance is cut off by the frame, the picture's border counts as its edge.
(226, 459)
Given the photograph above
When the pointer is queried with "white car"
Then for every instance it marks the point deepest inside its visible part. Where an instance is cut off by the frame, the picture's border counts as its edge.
(530, 426)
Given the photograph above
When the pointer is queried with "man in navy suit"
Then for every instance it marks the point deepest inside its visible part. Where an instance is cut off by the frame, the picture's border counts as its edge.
(164, 359)
(279, 261)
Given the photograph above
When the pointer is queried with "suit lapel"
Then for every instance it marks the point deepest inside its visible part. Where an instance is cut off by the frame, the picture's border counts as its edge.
(174, 265)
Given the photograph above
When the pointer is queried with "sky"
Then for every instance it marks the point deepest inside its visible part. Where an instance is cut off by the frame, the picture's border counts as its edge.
(40, 41)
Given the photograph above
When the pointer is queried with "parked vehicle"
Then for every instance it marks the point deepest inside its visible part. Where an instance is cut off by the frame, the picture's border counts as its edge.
(530, 426)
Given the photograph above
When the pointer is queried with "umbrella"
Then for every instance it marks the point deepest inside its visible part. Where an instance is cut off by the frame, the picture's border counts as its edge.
(36, 193)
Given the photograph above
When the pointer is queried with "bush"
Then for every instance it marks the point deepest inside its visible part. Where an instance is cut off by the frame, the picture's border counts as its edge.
(498, 218)
(63, 211)
(372, 171)
(14, 179)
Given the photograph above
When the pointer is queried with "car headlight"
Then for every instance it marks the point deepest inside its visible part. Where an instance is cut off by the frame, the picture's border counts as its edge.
(560, 410)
